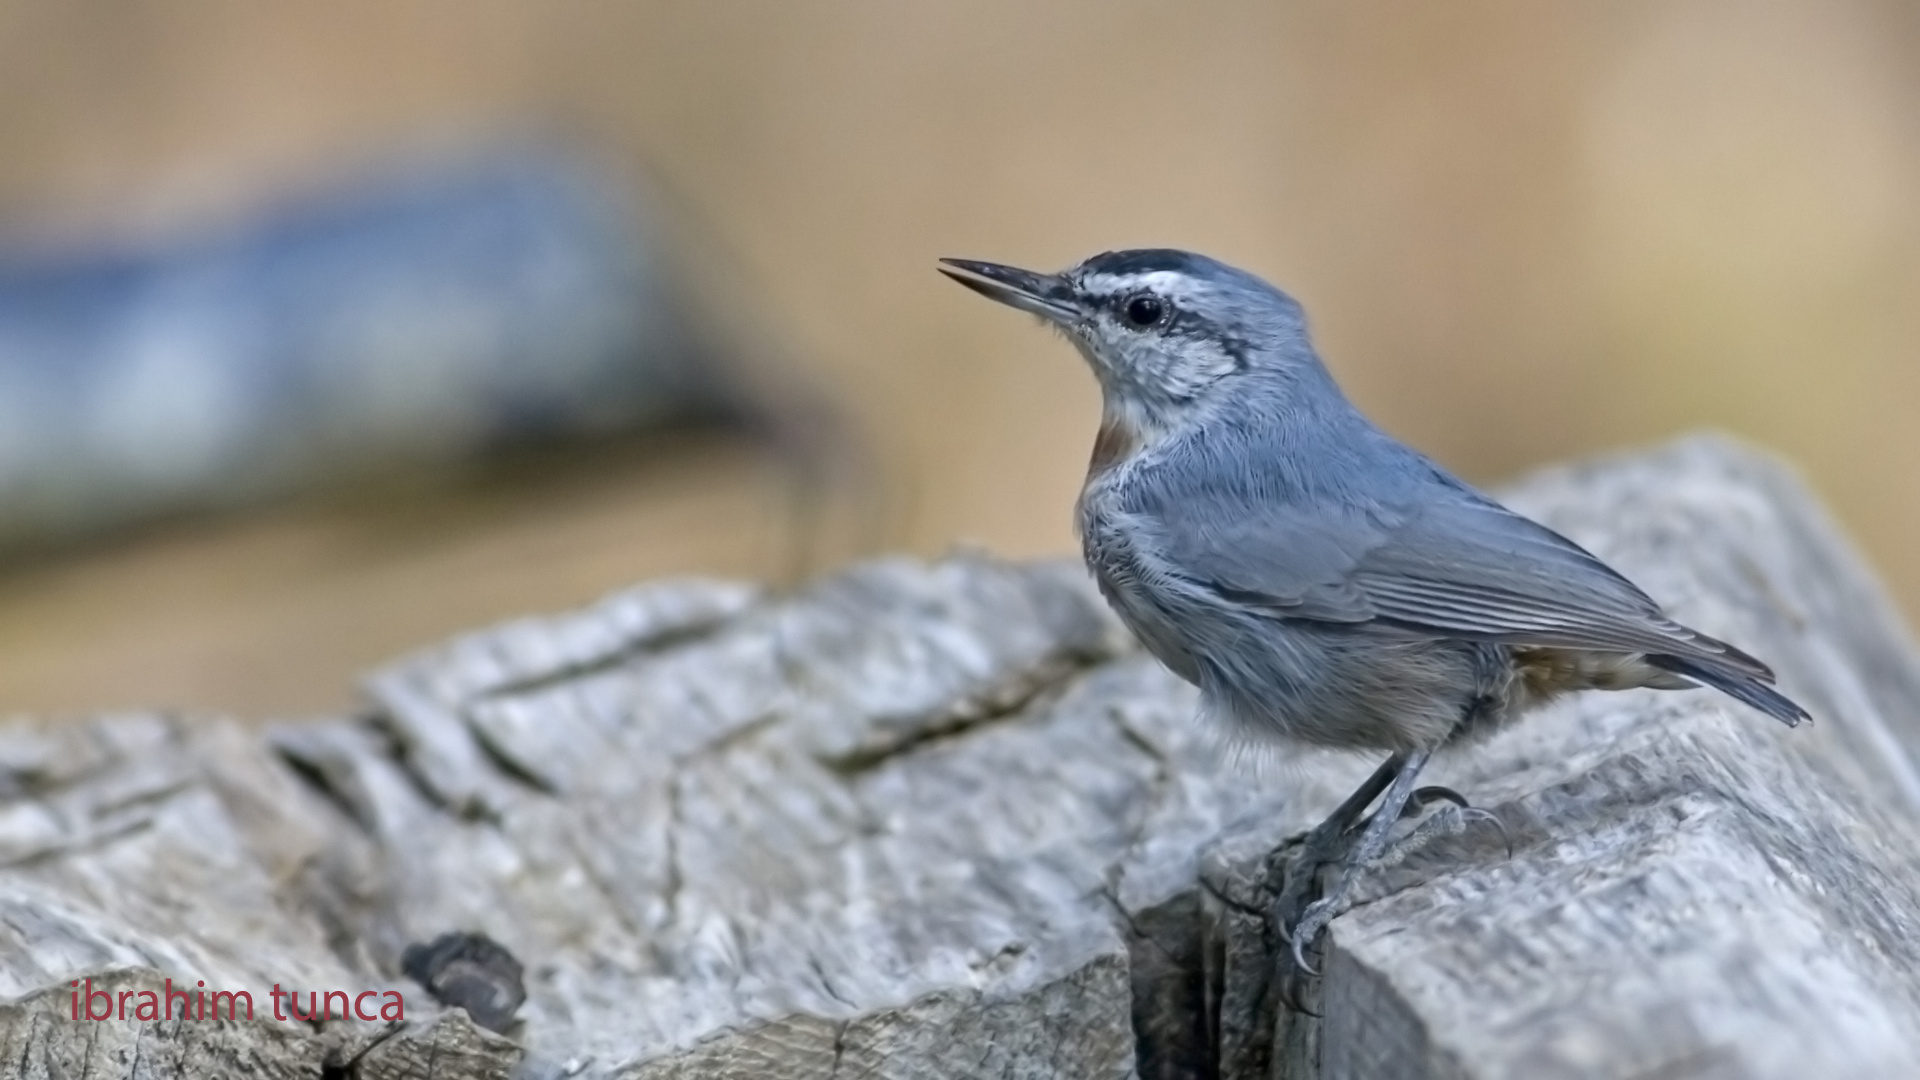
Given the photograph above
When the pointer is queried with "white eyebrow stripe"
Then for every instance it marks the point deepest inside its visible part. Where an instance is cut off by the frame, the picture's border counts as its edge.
(1172, 284)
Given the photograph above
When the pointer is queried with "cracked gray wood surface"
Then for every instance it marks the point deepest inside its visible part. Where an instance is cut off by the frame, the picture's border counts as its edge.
(942, 821)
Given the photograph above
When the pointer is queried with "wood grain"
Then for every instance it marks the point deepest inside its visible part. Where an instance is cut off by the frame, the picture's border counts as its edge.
(944, 821)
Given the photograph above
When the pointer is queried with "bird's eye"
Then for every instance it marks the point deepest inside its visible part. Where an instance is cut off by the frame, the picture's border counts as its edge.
(1144, 311)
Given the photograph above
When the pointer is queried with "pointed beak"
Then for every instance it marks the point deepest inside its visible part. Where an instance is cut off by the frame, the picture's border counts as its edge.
(1046, 295)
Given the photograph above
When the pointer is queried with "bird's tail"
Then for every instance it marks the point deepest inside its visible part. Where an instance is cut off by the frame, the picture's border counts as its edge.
(1740, 685)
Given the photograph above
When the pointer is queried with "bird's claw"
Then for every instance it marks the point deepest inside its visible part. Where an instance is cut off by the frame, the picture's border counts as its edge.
(1300, 933)
(1456, 818)
(1303, 933)
(1433, 793)
(1475, 813)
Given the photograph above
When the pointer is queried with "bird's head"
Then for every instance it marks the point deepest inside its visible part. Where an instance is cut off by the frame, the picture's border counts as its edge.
(1168, 333)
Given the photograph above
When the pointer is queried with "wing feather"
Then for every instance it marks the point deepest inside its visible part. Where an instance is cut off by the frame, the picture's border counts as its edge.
(1446, 560)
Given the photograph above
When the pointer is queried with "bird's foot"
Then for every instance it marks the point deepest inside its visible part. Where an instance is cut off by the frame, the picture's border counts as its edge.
(1450, 820)
(1326, 846)
(1330, 843)
(1299, 910)
(1350, 847)
(1306, 929)
(1303, 910)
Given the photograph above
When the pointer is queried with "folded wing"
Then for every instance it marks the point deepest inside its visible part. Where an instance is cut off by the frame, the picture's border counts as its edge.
(1452, 563)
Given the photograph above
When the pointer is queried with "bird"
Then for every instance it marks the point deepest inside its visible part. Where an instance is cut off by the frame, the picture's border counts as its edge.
(1320, 582)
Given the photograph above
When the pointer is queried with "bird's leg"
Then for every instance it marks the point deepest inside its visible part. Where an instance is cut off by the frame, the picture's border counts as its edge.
(1327, 844)
(1365, 851)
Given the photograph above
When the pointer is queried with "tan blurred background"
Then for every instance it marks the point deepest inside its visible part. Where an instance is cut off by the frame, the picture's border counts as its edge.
(1524, 231)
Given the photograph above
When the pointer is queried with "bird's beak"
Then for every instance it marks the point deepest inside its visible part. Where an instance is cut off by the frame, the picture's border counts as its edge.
(1046, 295)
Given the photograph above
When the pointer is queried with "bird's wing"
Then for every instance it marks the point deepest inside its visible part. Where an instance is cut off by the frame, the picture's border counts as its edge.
(1273, 559)
(1451, 562)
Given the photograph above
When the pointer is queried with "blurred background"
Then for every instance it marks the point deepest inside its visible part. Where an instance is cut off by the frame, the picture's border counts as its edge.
(327, 330)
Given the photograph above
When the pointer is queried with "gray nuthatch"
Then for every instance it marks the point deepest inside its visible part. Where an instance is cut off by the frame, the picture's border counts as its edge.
(1318, 580)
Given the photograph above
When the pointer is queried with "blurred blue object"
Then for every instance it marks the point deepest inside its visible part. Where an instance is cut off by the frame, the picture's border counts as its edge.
(415, 317)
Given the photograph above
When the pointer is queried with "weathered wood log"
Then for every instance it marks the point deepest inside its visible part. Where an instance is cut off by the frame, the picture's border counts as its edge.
(932, 821)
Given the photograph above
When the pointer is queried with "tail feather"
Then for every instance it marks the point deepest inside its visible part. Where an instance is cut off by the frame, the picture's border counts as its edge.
(1738, 685)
